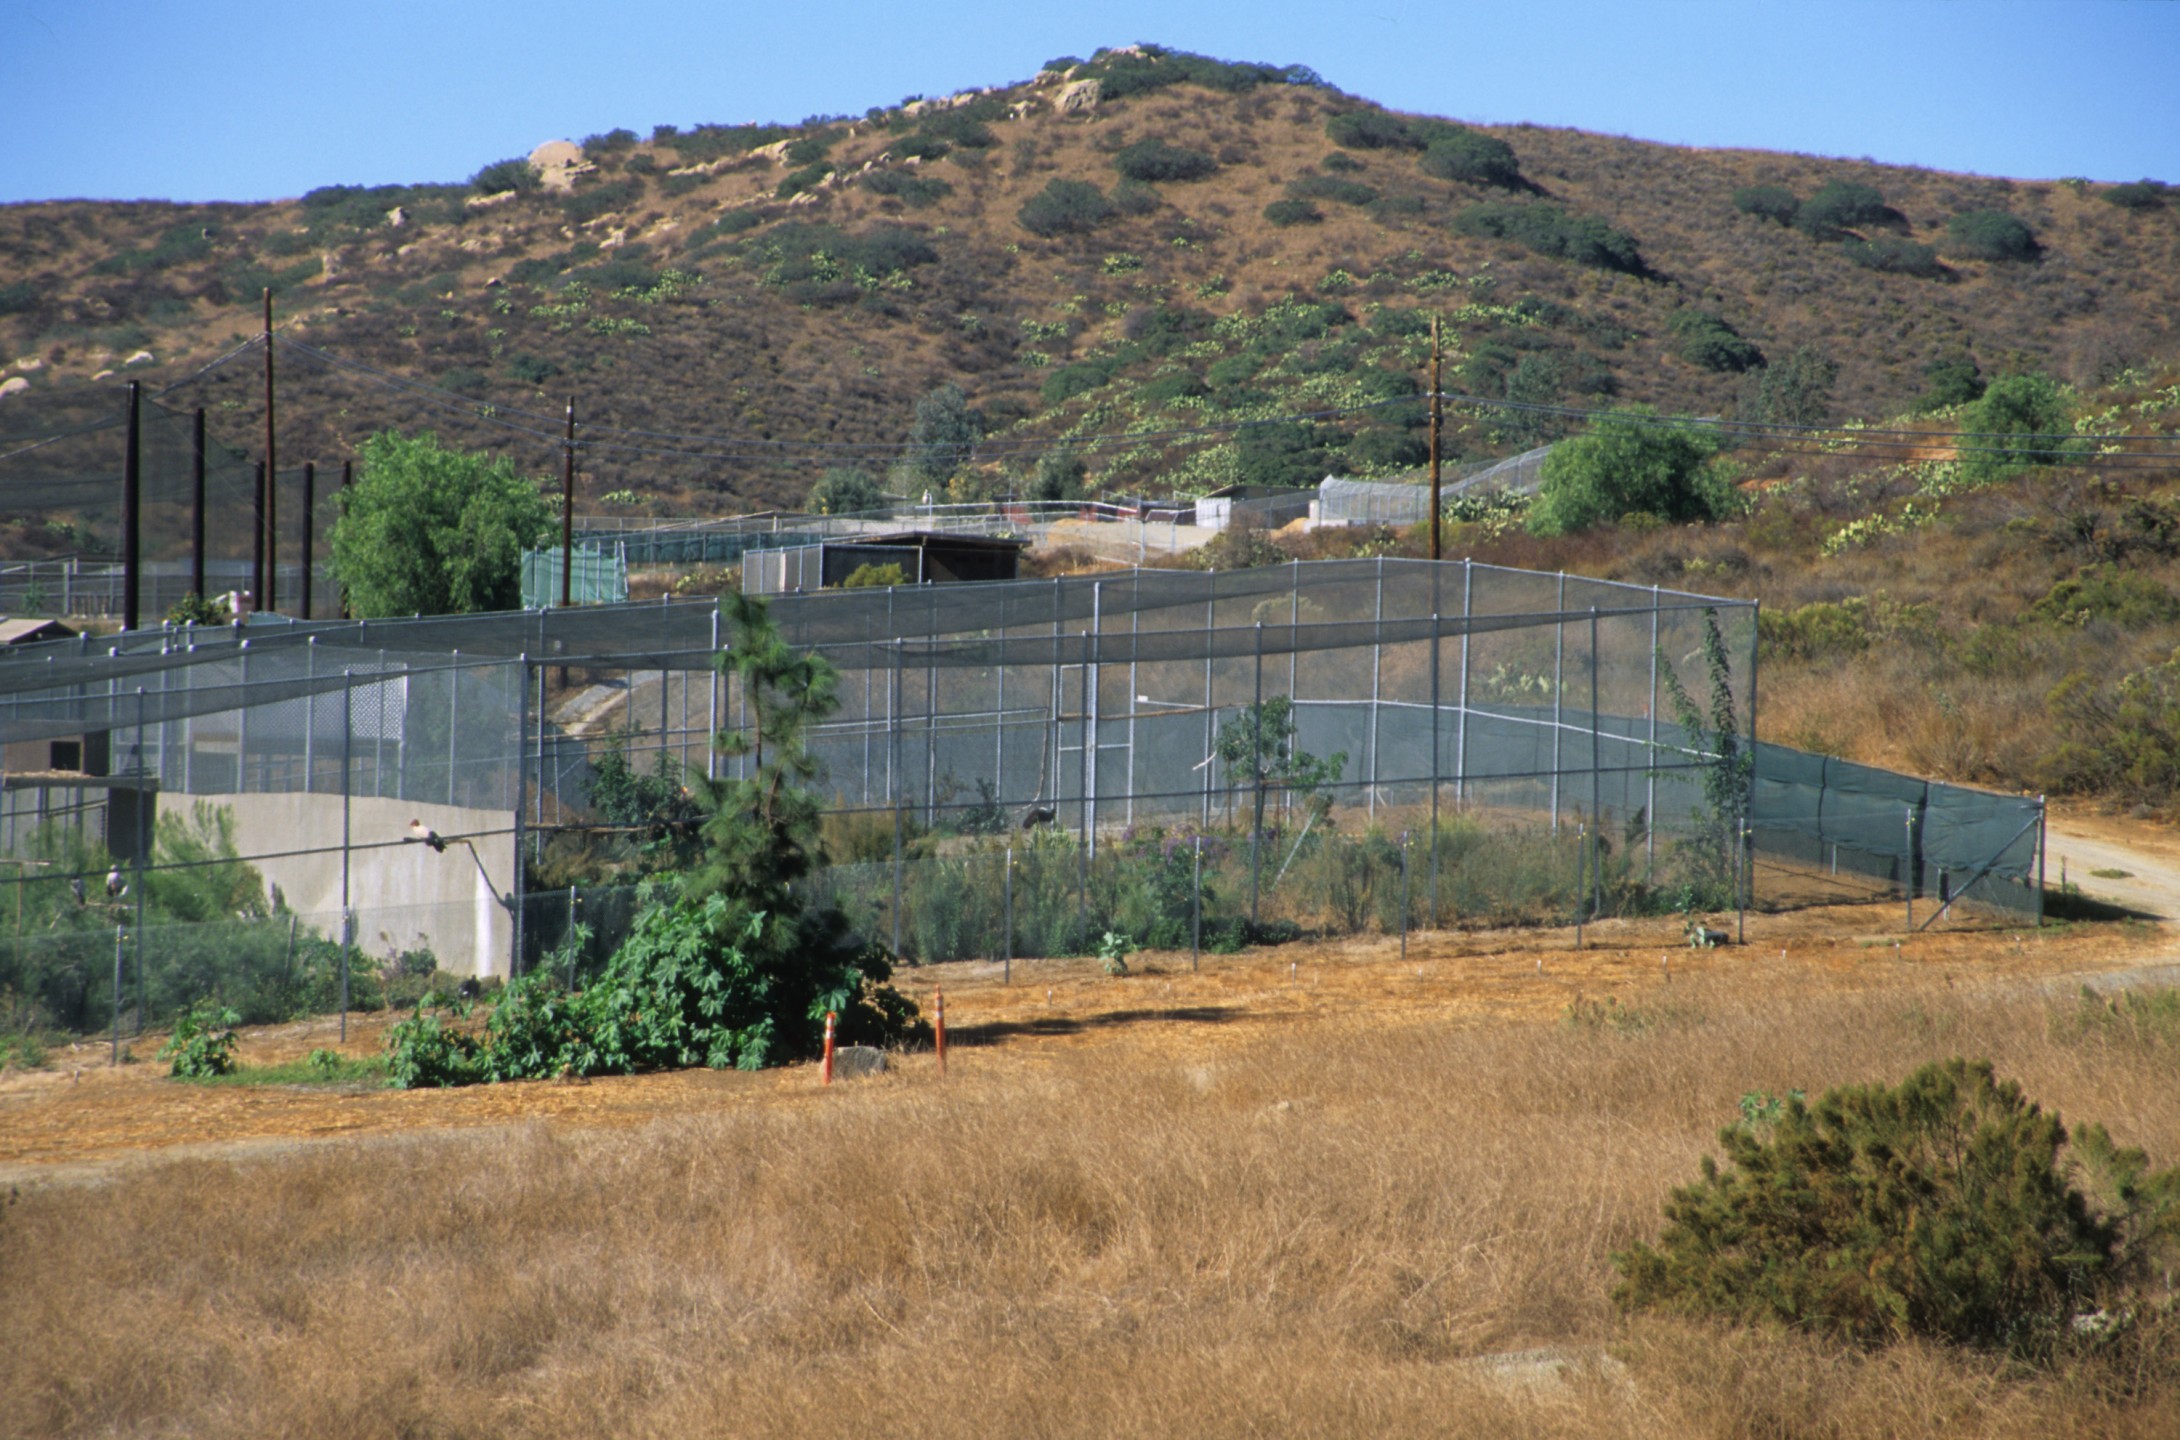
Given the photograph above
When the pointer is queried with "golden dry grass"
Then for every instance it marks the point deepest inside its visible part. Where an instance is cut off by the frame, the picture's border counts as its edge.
(1312, 1224)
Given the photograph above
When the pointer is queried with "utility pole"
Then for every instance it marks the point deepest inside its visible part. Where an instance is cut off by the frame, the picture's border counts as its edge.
(1437, 421)
(196, 505)
(269, 599)
(257, 542)
(132, 496)
(567, 511)
(348, 473)
(310, 515)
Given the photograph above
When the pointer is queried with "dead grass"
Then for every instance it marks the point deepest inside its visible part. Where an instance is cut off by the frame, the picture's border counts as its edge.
(1309, 1224)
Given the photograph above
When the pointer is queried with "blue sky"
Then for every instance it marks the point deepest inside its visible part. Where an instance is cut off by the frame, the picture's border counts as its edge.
(246, 100)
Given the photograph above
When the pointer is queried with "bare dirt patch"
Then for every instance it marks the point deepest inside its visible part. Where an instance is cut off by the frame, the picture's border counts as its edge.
(80, 1116)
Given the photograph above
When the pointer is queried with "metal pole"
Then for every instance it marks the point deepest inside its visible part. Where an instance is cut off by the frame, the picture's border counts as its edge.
(1437, 422)
(1196, 908)
(1090, 678)
(348, 736)
(2040, 851)
(142, 845)
(348, 474)
(1403, 895)
(893, 775)
(120, 940)
(1650, 708)
(132, 499)
(196, 504)
(1748, 791)
(257, 542)
(522, 805)
(270, 601)
(454, 717)
(310, 516)
(1907, 869)
(1597, 799)
(1006, 884)
(1460, 720)
(1377, 659)
(1435, 766)
(1559, 690)
(1256, 764)
(567, 510)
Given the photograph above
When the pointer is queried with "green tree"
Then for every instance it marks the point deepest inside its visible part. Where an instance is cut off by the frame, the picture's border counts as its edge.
(845, 491)
(874, 577)
(1842, 205)
(1257, 750)
(1775, 203)
(1937, 1208)
(1536, 380)
(1704, 338)
(2021, 420)
(1990, 235)
(1712, 847)
(1059, 476)
(426, 530)
(1950, 379)
(1064, 207)
(502, 176)
(943, 435)
(1630, 462)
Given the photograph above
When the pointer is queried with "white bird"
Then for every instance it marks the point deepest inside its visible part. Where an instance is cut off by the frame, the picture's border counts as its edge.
(116, 887)
(425, 835)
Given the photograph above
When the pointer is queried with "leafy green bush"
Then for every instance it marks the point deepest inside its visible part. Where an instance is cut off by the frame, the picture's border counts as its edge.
(1549, 230)
(588, 203)
(845, 491)
(2137, 195)
(964, 127)
(1630, 462)
(1474, 158)
(1068, 381)
(531, 369)
(2126, 598)
(2020, 420)
(1133, 197)
(1950, 379)
(1292, 212)
(1064, 207)
(911, 189)
(612, 142)
(203, 1044)
(1153, 159)
(873, 576)
(1895, 256)
(425, 530)
(796, 182)
(17, 296)
(1936, 1209)
(1990, 235)
(503, 176)
(1793, 391)
(1341, 163)
(1371, 130)
(1843, 205)
(1775, 203)
(1122, 75)
(1704, 338)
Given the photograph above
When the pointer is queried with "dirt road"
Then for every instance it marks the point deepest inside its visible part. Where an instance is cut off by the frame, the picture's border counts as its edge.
(2128, 863)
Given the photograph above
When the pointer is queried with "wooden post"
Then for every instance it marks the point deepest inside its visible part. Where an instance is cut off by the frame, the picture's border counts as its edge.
(132, 499)
(938, 1022)
(269, 598)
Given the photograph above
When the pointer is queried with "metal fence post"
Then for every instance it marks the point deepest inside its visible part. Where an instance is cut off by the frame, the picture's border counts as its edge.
(1460, 724)
(1007, 931)
(120, 943)
(1403, 895)
(1256, 765)
(1435, 765)
(1597, 799)
(522, 808)
(1196, 907)
(348, 733)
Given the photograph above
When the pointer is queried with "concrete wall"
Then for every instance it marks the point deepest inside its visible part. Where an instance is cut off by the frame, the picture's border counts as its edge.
(405, 895)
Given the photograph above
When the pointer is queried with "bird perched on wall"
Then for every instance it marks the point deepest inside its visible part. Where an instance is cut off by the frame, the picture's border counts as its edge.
(116, 887)
(424, 835)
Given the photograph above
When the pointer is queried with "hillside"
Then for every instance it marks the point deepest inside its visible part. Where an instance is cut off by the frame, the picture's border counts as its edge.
(1280, 253)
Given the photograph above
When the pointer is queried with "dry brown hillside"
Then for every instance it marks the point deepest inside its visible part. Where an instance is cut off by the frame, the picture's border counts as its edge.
(808, 284)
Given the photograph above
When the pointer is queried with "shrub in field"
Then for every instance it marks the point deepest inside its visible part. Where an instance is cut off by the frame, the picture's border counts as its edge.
(1935, 1209)
(1894, 256)
(874, 577)
(1775, 203)
(1631, 461)
(1284, 213)
(2019, 420)
(2137, 195)
(1704, 338)
(912, 190)
(1990, 235)
(1154, 159)
(844, 490)
(1064, 207)
(1842, 205)
(1550, 230)
(1328, 187)
(1712, 847)
(1793, 391)
(203, 1044)
(1477, 159)
(502, 176)
(1950, 379)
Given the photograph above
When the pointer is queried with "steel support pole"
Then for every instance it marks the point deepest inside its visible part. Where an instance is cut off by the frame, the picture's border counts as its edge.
(310, 518)
(196, 504)
(1597, 798)
(893, 776)
(348, 731)
(1377, 662)
(1460, 723)
(1650, 797)
(269, 601)
(1436, 754)
(522, 810)
(567, 510)
(1256, 766)
(1559, 690)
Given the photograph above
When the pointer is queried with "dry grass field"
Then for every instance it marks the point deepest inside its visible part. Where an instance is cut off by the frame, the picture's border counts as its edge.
(1312, 1190)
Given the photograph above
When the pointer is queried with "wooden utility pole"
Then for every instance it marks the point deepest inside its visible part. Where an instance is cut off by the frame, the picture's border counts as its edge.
(269, 599)
(348, 473)
(1437, 421)
(196, 505)
(567, 510)
(310, 509)
(132, 498)
(257, 541)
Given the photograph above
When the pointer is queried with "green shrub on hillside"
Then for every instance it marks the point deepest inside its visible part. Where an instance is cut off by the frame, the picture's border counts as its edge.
(1369, 130)
(612, 142)
(2137, 195)
(17, 296)
(1793, 391)
(1156, 67)
(1153, 159)
(1950, 379)
(1894, 256)
(911, 189)
(1843, 205)
(1935, 1209)
(1292, 212)
(429, 530)
(1704, 338)
(1341, 163)
(1064, 207)
(2126, 598)
(1068, 381)
(1326, 187)
(1775, 203)
(844, 490)
(1476, 159)
(1631, 461)
(2020, 420)
(1990, 235)
(1549, 230)
(502, 176)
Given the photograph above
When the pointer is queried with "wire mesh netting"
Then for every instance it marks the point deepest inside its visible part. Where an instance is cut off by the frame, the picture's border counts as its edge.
(1275, 731)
